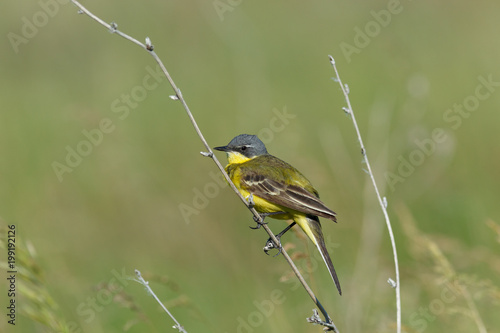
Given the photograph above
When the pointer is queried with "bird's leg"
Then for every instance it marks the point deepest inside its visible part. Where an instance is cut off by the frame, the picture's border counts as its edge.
(251, 202)
(270, 243)
(263, 215)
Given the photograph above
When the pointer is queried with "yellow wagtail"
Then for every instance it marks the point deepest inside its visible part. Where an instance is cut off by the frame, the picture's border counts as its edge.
(277, 189)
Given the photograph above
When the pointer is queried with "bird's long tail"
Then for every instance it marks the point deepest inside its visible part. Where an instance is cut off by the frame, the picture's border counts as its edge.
(312, 228)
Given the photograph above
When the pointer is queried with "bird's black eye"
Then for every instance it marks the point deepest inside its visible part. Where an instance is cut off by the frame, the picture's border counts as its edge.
(244, 148)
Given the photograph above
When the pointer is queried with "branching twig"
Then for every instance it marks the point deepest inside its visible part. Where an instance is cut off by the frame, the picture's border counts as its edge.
(145, 283)
(316, 320)
(382, 201)
(178, 96)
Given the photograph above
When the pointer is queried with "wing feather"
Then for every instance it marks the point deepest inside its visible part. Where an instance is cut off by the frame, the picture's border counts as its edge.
(289, 196)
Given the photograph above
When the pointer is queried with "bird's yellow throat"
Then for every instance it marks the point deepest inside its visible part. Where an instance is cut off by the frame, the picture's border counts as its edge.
(236, 158)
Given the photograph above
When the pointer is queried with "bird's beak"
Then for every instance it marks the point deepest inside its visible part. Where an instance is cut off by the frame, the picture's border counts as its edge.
(223, 148)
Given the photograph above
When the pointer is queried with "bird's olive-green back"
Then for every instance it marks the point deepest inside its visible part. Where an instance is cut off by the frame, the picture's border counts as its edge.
(273, 168)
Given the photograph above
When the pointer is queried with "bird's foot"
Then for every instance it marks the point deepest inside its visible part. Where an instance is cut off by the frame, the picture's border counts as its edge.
(260, 220)
(270, 244)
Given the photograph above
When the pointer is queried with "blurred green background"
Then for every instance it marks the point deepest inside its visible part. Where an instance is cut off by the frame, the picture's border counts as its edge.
(142, 197)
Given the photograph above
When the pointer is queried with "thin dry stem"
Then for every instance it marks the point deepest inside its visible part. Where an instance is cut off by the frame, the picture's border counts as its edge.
(382, 201)
(145, 283)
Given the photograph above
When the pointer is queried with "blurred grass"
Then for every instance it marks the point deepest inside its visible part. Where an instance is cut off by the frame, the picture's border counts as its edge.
(119, 209)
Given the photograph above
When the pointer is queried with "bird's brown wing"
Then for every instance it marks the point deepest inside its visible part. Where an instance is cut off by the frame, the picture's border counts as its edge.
(289, 196)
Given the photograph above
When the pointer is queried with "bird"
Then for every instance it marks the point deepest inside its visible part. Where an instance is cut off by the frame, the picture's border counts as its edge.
(277, 189)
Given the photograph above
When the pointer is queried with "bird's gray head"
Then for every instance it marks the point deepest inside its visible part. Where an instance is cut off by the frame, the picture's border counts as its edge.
(246, 145)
